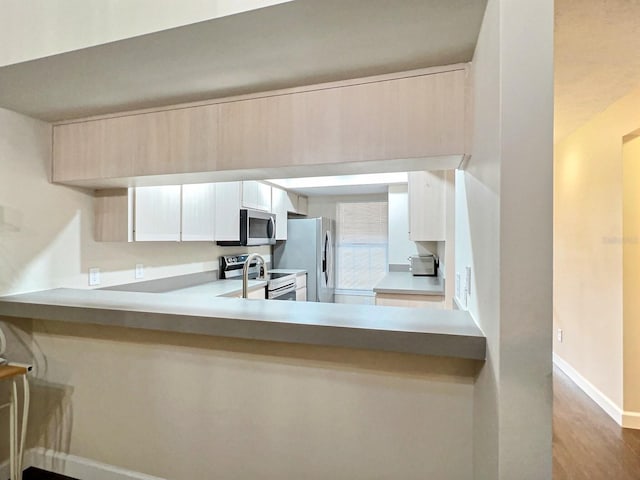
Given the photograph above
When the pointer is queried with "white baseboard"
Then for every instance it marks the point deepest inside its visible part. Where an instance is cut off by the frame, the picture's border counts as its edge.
(76, 467)
(624, 419)
(631, 420)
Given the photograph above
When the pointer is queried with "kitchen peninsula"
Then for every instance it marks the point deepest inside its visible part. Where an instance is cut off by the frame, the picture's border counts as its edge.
(417, 331)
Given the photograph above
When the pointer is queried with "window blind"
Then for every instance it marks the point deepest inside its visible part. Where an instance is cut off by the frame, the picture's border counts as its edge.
(361, 244)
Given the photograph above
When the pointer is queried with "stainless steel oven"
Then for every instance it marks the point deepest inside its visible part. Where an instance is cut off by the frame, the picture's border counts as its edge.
(280, 286)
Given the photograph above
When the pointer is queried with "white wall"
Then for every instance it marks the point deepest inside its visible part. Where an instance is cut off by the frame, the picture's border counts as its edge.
(594, 242)
(503, 214)
(195, 407)
(66, 25)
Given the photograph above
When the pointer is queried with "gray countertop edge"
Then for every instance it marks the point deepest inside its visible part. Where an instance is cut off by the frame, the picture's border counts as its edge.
(471, 346)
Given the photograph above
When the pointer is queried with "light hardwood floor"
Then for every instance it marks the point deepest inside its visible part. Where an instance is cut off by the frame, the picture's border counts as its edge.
(587, 443)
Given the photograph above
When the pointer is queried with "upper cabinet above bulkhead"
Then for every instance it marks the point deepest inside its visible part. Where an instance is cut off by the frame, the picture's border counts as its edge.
(392, 117)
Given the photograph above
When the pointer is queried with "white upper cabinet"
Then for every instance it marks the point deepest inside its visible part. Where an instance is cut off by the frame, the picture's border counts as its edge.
(280, 203)
(157, 213)
(256, 195)
(227, 206)
(198, 212)
(427, 209)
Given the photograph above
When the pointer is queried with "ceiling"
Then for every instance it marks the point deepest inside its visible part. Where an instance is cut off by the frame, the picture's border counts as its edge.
(296, 43)
(596, 58)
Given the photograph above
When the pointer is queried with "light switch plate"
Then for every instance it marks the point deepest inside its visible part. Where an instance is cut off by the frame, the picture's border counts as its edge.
(560, 335)
(139, 271)
(94, 276)
(458, 285)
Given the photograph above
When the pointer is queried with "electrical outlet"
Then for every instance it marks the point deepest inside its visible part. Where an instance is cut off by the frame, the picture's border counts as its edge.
(457, 285)
(560, 335)
(139, 271)
(94, 276)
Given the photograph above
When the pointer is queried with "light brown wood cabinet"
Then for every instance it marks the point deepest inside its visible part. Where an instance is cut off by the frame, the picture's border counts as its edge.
(410, 301)
(165, 142)
(411, 117)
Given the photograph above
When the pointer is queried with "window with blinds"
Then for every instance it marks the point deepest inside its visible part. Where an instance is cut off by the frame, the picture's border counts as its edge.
(361, 245)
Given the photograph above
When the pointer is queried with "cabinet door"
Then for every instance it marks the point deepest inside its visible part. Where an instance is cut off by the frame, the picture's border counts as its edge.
(165, 142)
(114, 215)
(250, 194)
(264, 197)
(227, 208)
(198, 212)
(301, 294)
(157, 213)
(255, 133)
(256, 195)
(427, 212)
(280, 201)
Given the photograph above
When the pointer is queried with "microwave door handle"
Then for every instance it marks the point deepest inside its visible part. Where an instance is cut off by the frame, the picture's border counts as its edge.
(271, 228)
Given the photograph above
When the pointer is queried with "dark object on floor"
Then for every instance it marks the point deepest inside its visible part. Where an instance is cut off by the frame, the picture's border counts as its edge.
(33, 473)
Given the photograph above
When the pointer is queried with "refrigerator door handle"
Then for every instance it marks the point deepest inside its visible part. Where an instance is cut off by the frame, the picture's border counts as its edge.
(324, 255)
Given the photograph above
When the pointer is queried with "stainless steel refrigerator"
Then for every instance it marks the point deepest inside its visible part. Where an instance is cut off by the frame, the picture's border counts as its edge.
(310, 246)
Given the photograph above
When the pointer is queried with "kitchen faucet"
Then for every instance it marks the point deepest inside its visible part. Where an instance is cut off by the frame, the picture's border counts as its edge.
(245, 272)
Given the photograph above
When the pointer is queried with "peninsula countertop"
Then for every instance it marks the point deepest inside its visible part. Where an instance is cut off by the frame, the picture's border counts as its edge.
(449, 333)
(404, 283)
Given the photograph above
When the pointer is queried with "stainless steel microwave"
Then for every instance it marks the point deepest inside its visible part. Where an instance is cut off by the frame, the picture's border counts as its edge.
(256, 228)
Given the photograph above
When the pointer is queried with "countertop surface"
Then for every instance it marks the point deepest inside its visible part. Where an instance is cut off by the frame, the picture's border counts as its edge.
(406, 284)
(219, 288)
(449, 333)
(287, 270)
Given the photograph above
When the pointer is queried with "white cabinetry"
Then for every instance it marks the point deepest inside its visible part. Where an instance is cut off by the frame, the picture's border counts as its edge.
(301, 287)
(198, 212)
(228, 200)
(427, 209)
(256, 195)
(284, 202)
(279, 207)
(157, 213)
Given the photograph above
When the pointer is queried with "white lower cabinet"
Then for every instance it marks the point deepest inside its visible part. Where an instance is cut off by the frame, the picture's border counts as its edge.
(301, 287)
(157, 213)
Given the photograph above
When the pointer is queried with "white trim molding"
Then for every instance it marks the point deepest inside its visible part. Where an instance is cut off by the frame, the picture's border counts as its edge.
(77, 467)
(624, 419)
